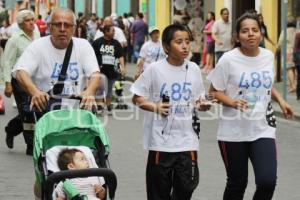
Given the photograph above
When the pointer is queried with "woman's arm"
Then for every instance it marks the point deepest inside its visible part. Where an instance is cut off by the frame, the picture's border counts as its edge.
(239, 104)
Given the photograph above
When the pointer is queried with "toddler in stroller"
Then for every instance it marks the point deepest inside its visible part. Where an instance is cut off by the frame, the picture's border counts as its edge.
(70, 129)
(92, 187)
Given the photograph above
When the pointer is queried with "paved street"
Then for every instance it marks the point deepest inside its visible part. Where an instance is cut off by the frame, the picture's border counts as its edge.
(128, 160)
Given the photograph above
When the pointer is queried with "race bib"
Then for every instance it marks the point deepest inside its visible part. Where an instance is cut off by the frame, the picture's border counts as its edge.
(108, 60)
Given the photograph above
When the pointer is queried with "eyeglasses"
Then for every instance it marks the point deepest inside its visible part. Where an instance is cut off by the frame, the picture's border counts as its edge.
(62, 24)
(29, 20)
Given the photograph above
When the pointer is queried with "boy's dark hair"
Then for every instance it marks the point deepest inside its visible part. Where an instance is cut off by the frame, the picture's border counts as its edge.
(169, 31)
(66, 157)
(239, 21)
(80, 14)
(223, 10)
(106, 28)
(39, 16)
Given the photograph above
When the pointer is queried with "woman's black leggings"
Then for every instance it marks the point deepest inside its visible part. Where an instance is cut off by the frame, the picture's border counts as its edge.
(263, 156)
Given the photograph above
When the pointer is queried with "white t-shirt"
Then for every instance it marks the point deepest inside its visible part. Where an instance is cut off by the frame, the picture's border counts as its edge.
(152, 52)
(85, 186)
(249, 78)
(184, 86)
(42, 61)
(223, 31)
(119, 36)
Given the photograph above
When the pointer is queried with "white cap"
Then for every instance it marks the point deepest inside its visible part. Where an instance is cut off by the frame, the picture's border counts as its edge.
(114, 16)
(152, 28)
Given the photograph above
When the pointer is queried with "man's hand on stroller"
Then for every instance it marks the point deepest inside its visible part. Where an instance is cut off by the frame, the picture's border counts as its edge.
(39, 100)
(100, 191)
(88, 101)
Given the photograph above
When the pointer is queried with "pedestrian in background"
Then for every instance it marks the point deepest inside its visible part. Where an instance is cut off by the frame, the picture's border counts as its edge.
(221, 33)
(42, 26)
(243, 82)
(290, 42)
(5, 33)
(210, 43)
(264, 32)
(139, 32)
(151, 51)
(92, 27)
(82, 29)
(14, 49)
(118, 35)
(109, 53)
(297, 62)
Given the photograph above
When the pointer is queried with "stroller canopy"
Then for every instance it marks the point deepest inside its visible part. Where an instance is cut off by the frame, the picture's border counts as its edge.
(70, 127)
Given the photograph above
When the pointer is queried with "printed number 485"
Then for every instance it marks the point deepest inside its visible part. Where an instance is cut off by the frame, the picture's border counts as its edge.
(178, 91)
(257, 80)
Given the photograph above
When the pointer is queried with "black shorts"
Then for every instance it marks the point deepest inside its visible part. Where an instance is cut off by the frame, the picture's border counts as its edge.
(210, 47)
(173, 175)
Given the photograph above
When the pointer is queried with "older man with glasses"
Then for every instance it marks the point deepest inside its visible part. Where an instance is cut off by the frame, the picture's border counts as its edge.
(39, 67)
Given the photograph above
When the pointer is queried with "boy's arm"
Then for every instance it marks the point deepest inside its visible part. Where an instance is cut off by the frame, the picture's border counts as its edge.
(159, 108)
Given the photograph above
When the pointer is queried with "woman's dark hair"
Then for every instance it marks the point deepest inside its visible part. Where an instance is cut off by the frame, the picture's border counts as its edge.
(169, 32)
(213, 16)
(262, 17)
(239, 21)
(245, 16)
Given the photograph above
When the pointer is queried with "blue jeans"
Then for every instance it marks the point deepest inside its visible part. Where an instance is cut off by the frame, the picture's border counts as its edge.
(136, 50)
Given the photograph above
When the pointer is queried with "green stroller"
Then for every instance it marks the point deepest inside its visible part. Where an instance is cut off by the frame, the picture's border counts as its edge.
(71, 128)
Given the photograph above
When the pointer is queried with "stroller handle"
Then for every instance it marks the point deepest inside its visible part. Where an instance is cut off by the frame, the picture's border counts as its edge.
(109, 176)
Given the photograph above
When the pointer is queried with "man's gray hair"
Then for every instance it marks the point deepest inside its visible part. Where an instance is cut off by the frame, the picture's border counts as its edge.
(63, 10)
(22, 14)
